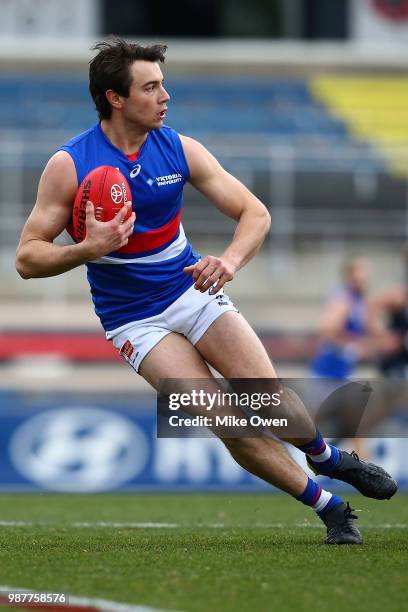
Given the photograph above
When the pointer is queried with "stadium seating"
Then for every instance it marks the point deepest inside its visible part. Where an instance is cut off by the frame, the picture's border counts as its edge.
(280, 107)
(374, 108)
(283, 109)
(327, 128)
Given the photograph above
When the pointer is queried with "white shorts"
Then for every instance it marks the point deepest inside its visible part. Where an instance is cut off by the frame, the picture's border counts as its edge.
(191, 315)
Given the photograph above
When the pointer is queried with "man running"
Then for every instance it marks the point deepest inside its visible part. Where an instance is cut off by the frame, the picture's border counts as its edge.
(160, 304)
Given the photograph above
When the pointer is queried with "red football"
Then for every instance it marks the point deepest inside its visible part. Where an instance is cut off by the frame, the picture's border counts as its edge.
(108, 190)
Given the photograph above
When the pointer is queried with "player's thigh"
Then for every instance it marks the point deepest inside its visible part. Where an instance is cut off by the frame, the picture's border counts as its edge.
(173, 357)
(231, 346)
(175, 366)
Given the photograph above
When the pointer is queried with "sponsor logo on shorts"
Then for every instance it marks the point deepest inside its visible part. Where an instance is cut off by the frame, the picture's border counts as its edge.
(222, 300)
(128, 350)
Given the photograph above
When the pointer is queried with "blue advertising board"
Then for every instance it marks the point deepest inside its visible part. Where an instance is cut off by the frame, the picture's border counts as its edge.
(89, 442)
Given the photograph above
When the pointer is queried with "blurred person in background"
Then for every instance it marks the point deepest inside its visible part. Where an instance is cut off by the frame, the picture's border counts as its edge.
(164, 307)
(348, 335)
(390, 312)
(391, 308)
(346, 332)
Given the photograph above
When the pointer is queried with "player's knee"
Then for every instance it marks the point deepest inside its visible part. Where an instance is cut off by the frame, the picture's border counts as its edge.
(242, 446)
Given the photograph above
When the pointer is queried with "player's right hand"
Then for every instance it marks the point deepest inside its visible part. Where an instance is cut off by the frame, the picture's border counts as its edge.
(103, 237)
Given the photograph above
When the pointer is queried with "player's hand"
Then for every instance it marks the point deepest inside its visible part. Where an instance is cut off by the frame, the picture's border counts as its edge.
(210, 273)
(103, 237)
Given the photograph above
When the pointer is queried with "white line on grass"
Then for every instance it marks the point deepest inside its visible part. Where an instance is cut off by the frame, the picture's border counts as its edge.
(134, 525)
(88, 603)
(122, 525)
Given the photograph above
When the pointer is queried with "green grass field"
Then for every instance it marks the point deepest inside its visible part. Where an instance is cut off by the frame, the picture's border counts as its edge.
(222, 553)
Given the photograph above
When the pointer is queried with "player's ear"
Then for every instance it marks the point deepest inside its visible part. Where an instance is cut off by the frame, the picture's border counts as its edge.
(114, 99)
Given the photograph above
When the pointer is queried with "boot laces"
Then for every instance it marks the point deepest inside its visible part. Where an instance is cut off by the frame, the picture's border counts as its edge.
(348, 513)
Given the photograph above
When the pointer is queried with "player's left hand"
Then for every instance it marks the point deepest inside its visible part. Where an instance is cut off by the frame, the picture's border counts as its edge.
(210, 273)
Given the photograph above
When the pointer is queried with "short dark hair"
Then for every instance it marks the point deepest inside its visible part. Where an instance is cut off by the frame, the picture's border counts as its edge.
(109, 69)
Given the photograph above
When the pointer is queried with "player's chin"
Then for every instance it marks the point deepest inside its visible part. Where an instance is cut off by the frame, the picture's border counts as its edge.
(156, 125)
(159, 119)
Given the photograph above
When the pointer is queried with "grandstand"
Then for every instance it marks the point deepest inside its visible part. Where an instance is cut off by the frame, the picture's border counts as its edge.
(256, 105)
(301, 128)
(374, 109)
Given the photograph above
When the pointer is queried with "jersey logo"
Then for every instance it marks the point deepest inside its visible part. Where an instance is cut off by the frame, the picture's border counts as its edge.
(168, 179)
(133, 173)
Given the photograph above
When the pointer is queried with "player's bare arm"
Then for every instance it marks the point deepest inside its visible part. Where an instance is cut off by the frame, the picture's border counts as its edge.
(234, 200)
(37, 254)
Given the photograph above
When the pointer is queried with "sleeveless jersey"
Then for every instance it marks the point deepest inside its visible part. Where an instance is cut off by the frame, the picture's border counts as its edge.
(334, 360)
(143, 278)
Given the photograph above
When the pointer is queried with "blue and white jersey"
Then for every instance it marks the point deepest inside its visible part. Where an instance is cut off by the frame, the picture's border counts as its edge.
(143, 278)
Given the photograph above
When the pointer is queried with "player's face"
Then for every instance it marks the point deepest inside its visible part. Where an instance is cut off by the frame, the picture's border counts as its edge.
(147, 102)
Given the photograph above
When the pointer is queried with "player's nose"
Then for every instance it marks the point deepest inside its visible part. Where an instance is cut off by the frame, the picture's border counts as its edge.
(165, 96)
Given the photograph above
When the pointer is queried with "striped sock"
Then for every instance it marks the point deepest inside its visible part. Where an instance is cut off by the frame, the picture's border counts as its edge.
(326, 456)
(317, 498)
